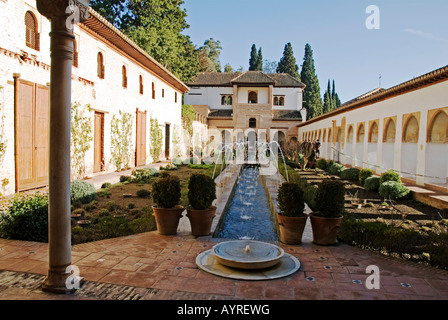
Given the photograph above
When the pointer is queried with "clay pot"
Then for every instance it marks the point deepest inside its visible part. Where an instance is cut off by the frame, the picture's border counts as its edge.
(325, 230)
(291, 229)
(168, 219)
(201, 221)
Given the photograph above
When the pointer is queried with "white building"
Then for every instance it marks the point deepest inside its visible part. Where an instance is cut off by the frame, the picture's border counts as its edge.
(404, 128)
(110, 74)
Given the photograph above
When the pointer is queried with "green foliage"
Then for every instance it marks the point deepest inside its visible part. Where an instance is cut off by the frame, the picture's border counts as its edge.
(330, 198)
(372, 183)
(209, 56)
(144, 175)
(106, 185)
(256, 59)
(322, 164)
(364, 174)
(335, 168)
(390, 175)
(26, 219)
(351, 174)
(291, 200)
(201, 191)
(125, 179)
(81, 138)
(121, 140)
(288, 63)
(155, 139)
(166, 191)
(312, 100)
(82, 191)
(393, 190)
(143, 193)
(331, 98)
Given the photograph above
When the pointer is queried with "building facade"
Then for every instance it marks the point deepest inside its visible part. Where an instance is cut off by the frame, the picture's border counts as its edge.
(111, 76)
(404, 128)
(235, 103)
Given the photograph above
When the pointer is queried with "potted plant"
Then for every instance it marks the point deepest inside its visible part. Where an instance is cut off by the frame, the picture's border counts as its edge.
(201, 212)
(329, 208)
(166, 193)
(291, 217)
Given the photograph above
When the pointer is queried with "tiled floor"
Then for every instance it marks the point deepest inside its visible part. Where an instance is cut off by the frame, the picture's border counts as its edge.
(150, 266)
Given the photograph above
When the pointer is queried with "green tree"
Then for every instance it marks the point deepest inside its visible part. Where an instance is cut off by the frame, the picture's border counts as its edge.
(312, 99)
(288, 63)
(253, 58)
(115, 11)
(209, 56)
(228, 68)
(335, 97)
(328, 101)
(259, 64)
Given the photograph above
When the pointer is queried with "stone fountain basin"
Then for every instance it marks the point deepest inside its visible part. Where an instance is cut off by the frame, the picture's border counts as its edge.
(248, 254)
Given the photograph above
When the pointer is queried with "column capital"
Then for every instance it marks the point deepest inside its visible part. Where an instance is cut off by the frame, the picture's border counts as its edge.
(64, 8)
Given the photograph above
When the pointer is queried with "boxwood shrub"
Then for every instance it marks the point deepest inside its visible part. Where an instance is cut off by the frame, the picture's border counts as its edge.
(351, 174)
(364, 174)
(390, 175)
(82, 191)
(372, 183)
(393, 190)
(335, 168)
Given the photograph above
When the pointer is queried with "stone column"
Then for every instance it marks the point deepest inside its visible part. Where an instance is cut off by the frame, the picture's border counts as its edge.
(59, 159)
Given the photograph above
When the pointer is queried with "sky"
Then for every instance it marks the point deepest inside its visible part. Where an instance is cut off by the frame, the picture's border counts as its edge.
(412, 38)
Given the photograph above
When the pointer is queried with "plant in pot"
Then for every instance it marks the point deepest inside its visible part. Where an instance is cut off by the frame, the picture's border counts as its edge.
(329, 208)
(201, 212)
(291, 217)
(166, 193)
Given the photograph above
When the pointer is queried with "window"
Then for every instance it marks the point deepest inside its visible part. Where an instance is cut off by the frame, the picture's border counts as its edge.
(252, 123)
(253, 97)
(175, 97)
(153, 91)
(100, 62)
(141, 84)
(226, 100)
(32, 35)
(163, 93)
(75, 54)
(124, 77)
(279, 101)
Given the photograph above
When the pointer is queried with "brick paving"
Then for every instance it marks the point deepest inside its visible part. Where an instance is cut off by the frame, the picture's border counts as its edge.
(153, 267)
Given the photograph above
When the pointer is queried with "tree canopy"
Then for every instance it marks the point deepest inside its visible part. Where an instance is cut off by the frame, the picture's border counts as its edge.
(288, 63)
(312, 99)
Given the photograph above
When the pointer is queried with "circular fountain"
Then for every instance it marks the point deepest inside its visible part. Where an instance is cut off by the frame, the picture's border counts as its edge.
(248, 260)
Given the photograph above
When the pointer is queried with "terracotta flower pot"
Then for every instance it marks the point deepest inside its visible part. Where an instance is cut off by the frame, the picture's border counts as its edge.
(201, 221)
(291, 229)
(168, 219)
(325, 230)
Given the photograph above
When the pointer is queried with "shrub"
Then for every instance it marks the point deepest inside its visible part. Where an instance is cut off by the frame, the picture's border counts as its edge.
(26, 219)
(335, 168)
(322, 164)
(351, 174)
(393, 190)
(79, 211)
(169, 167)
(201, 191)
(82, 191)
(364, 174)
(125, 179)
(372, 183)
(112, 206)
(143, 193)
(144, 175)
(291, 200)
(330, 198)
(390, 175)
(104, 213)
(106, 185)
(166, 191)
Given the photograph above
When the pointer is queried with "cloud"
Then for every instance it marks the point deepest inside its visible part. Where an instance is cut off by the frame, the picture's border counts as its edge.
(426, 35)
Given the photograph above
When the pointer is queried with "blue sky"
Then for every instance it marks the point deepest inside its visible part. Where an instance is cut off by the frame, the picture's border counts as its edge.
(412, 39)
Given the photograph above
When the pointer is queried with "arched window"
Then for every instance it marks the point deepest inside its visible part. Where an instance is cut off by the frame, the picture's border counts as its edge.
(226, 100)
(439, 128)
(75, 54)
(324, 135)
(32, 34)
(141, 84)
(175, 97)
(100, 62)
(373, 134)
(279, 101)
(389, 131)
(252, 123)
(124, 77)
(153, 91)
(253, 97)
(350, 135)
(361, 134)
(410, 133)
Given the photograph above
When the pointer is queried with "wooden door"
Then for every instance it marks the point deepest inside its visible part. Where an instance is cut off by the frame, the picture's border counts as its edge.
(140, 150)
(98, 164)
(32, 135)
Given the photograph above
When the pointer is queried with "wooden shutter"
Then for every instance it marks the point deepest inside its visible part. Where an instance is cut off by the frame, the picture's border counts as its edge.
(32, 36)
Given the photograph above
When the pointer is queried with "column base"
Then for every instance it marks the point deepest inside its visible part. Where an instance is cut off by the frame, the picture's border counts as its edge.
(61, 282)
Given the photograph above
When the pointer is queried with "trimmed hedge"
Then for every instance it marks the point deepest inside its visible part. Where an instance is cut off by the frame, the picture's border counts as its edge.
(351, 174)
(393, 190)
(335, 168)
(372, 183)
(364, 174)
(390, 175)
(82, 191)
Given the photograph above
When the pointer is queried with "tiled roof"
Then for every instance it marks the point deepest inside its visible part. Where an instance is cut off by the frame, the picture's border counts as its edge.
(227, 79)
(221, 114)
(286, 115)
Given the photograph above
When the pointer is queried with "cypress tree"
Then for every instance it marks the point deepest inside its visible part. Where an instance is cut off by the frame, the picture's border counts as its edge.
(312, 99)
(327, 99)
(335, 97)
(288, 63)
(259, 64)
(253, 58)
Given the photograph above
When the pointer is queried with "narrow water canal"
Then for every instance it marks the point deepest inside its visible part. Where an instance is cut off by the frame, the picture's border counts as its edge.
(248, 215)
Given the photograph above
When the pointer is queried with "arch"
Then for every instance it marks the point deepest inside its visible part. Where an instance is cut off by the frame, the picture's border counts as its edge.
(252, 123)
(411, 130)
(32, 34)
(350, 134)
(100, 65)
(438, 129)
(360, 134)
(226, 100)
(253, 97)
(373, 133)
(389, 131)
(324, 135)
(124, 77)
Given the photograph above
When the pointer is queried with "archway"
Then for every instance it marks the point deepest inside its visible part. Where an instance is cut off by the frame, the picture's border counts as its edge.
(409, 148)
(359, 154)
(388, 155)
(437, 150)
(372, 147)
